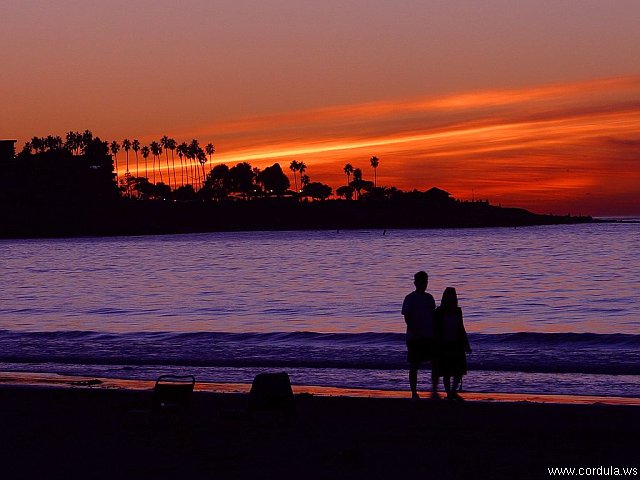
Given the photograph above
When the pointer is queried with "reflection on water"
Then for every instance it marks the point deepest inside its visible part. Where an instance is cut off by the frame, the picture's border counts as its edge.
(582, 278)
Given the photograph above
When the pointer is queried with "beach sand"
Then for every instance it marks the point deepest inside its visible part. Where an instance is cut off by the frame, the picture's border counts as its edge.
(81, 432)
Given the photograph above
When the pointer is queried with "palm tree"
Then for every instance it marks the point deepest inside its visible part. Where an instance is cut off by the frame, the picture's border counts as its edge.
(171, 145)
(156, 150)
(301, 169)
(374, 163)
(348, 170)
(182, 152)
(304, 181)
(86, 138)
(189, 155)
(293, 166)
(135, 146)
(145, 154)
(209, 150)
(202, 158)
(115, 148)
(357, 181)
(194, 151)
(73, 142)
(126, 146)
(164, 142)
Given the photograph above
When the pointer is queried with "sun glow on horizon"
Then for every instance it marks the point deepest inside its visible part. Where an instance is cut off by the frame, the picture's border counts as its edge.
(571, 148)
(560, 148)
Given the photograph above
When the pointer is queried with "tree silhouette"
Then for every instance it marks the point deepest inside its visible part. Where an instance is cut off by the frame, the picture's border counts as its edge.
(304, 180)
(53, 143)
(135, 146)
(156, 150)
(345, 191)
(293, 166)
(85, 140)
(164, 142)
(162, 190)
(302, 167)
(185, 193)
(73, 142)
(171, 145)
(218, 182)
(194, 154)
(241, 179)
(273, 180)
(357, 182)
(182, 153)
(114, 147)
(348, 170)
(210, 150)
(202, 159)
(70, 142)
(126, 146)
(141, 185)
(145, 154)
(37, 144)
(374, 163)
(26, 150)
(316, 190)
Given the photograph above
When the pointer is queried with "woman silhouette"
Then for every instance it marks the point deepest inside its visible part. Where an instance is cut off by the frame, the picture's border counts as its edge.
(452, 343)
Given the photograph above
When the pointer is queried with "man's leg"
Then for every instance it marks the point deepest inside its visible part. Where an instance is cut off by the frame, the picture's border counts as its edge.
(447, 384)
(456, 382)
(413, 380)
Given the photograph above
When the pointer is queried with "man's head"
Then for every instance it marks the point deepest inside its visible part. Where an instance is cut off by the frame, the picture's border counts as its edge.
(421, 280)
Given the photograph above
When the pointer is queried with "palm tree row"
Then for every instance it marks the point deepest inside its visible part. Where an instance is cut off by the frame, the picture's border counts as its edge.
(300, 167)
(75, 142)
(192, 157)
(358, 183)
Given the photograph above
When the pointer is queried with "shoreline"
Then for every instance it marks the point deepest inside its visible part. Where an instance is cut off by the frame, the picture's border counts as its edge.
(285, 229)
(52, 380)
(127, 217)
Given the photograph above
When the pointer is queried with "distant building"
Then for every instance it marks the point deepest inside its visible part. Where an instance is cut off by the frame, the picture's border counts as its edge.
(7, 150)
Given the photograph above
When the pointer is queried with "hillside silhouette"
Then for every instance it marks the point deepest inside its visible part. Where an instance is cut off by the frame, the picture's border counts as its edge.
(79, 187)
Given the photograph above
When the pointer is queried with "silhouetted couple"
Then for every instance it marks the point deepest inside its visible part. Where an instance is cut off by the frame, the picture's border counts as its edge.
(435, 335)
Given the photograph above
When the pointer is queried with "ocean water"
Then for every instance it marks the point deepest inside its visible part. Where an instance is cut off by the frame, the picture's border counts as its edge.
(552, 309)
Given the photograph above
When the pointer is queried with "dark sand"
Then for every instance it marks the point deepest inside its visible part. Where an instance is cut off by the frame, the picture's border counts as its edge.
(67, 433)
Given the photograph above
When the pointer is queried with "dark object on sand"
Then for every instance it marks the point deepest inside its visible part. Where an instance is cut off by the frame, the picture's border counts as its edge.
(173, 392)
(271, 392)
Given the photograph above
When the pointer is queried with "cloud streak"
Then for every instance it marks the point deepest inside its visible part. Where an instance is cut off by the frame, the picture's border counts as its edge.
(560, 148)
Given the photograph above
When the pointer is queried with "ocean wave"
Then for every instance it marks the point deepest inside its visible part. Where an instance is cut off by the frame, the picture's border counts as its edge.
(613, 354)
(516, 338)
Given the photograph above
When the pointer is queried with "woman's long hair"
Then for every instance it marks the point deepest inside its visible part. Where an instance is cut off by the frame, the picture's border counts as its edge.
(449, 299)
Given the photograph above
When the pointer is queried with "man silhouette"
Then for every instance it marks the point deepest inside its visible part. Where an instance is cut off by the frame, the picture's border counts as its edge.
(418, 309)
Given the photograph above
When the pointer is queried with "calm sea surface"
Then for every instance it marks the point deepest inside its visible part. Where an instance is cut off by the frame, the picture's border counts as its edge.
(228, 304)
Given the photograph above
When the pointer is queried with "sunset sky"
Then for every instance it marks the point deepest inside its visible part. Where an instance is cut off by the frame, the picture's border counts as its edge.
(530, 103)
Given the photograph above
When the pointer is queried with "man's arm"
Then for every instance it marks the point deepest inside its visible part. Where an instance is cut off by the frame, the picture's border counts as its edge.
(407, 320)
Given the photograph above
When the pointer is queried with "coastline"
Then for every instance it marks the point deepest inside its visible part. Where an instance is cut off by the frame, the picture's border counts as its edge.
(135, 218)
(51, 380)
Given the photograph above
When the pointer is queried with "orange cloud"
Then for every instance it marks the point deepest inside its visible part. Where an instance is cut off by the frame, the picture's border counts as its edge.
(560, 148)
